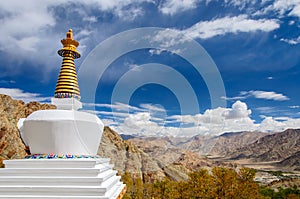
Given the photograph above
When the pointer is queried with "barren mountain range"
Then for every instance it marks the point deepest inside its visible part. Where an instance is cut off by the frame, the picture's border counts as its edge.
(155, 158)
(274, 147)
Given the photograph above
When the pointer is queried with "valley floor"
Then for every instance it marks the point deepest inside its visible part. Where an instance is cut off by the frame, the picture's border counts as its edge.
(267, 172)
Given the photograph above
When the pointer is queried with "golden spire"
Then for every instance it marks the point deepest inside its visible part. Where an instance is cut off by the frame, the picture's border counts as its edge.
(67, 84)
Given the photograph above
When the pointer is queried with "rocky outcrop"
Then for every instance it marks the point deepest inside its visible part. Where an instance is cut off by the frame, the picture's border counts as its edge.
(150, 158)
(127, 157)
(292, 162)
(274, 147)
(226, 143)
(11, 145)
(176, 162)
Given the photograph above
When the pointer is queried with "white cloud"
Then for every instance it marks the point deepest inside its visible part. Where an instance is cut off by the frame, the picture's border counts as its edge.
(233, 98)
(241, 4)
(152, 107)
(294, 107)
(169, 38)
(292, 7)
(296, 10)
(291, 41)
(270, 124)
(24, 96)
(236, 24)
(266, 109)
(155, 51)
(27, 27)
(91, 19)
(292, 22)
(282, 8)
(21, 26)
(117, 106)
(172, 7)
(268, 95)
(238, 110)
(211, 122)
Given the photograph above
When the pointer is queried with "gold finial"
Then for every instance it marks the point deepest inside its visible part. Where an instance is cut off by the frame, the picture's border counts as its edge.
(67, 84)
(69, 45)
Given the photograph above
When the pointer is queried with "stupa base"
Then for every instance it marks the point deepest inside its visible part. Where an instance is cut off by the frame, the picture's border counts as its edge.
(70, 178)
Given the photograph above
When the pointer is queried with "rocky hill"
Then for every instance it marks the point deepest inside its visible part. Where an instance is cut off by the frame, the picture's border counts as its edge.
(150, 158)
(226, 143)
(11, 145)
(127, 157)
(274, 147)
(174, 160)
(283, 147)
(292, 162)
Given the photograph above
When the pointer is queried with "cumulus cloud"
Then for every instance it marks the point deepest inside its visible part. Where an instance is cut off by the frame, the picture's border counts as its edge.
(22, 95)
(212, 122)
(270, 124)
(172, 7)
(236, 24)
(238, 110)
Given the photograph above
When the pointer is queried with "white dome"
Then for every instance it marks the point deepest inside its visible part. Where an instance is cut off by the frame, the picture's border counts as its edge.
(62, 132)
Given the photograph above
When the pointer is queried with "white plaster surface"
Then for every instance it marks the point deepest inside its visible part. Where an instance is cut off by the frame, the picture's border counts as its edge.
(76, 178)
(66, 103)
(62, 132)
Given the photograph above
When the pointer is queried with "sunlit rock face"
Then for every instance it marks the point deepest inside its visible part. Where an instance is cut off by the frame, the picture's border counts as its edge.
(11, 145)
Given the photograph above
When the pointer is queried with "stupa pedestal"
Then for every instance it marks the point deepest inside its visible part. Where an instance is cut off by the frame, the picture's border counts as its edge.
(51, 136)
(77, 177)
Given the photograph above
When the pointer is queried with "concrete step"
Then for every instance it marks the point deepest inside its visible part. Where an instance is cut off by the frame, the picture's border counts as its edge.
(58, 181)
(55, 163)
(111, 182)
(52, 190)
(116, 190)
(61, 172)
(52, 197)
(50, 172)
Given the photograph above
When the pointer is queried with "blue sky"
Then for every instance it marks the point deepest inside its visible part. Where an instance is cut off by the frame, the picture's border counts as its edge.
(254, 44)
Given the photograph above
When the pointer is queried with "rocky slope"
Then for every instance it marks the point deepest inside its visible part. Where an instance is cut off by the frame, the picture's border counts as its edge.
(175, 161)
(11, 145)
(229, 142)
(274, 147)
(292, 162)
(149, 158)
(127, 157)
(203, 145)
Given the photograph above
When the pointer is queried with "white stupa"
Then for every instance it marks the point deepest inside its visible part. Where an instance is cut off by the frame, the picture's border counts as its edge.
(63, 143)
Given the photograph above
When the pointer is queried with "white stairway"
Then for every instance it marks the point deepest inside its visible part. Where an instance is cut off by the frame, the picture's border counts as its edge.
(91, 178)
